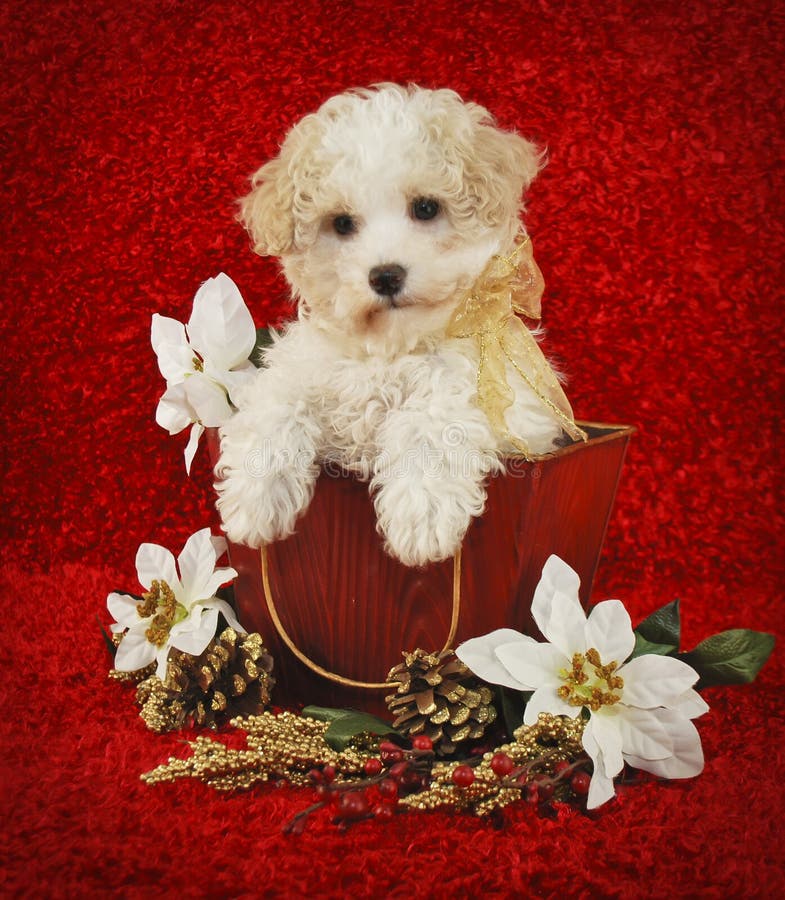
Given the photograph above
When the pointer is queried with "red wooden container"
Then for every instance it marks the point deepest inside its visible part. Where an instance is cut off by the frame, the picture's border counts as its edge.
(352, 609)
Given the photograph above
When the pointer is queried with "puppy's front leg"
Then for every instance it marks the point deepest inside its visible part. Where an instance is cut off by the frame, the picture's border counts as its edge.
(267, 468)
(429, 481)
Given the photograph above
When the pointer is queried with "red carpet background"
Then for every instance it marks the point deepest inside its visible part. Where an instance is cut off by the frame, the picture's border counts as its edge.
(127, 131)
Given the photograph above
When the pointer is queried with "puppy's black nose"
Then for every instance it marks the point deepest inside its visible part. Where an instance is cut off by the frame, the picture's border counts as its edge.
(387, 280)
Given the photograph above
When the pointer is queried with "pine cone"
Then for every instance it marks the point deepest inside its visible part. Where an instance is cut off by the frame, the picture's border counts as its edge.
(230, 678)
(439, 697)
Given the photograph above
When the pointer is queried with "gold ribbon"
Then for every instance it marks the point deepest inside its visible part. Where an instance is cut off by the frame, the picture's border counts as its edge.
(509, 285)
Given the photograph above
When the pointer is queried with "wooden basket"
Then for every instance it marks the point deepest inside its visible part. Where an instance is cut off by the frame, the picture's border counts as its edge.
(351, 609)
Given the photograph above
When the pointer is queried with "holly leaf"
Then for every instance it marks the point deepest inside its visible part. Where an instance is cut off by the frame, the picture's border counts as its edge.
(325, 713)
(663, 626)
(226, 592)
(110, 645)
(512, 705)
(730, 657)
(642, 647)
(346, 724)
(264, 339)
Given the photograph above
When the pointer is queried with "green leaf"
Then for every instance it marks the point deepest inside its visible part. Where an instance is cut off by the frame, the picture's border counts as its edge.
(226, 592)
(730, 657)
(662, 627)
(642, 647)
(512, 704)
(108, 639)
(325, 713)
(346, 724)
(264, 339)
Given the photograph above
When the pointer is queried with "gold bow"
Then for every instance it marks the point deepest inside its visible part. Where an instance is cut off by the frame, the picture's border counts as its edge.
(508, 285)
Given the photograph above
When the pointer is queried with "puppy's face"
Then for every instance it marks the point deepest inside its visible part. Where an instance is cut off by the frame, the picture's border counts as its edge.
(385, 206)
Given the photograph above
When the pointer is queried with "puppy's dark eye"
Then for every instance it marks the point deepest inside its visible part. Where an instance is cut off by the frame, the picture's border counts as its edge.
(425, 208)
(344, 224)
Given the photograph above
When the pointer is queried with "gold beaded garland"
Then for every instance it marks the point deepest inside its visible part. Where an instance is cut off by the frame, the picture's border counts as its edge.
(286, 746)
(283, 746)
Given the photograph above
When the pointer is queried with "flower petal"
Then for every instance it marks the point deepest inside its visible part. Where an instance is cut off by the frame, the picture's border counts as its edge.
(601, 787)
(235, 379)
(686, 758)
(196, 563)
(221, 328)
(174, 412)
(609, 630)
(546, 699)
(533, 665)
(220, 545)
(155, 563)
(134, 653)
(193, 634)
(478, 654)
(643, 734)
(162, 660)
(556, 607)
(604, 728)
(219, 577)
(175, 357)
(228, 613)
(123, 609)
(197, 430)
(691, 705)
(652, 680)
(208, 400)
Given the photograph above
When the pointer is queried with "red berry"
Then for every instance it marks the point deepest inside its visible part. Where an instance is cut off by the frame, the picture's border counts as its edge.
(531, 793)
(561, 766)
(397, 770)
(580, 782)
(389, 789)
(463, 776)
(316, 776)
(329, 773)
(353, 805)
(501, 765)
(372, 766)
(324, 793)
(383, 811)
(422, 742)
(390, 753)
(411, 780)
(546, 791)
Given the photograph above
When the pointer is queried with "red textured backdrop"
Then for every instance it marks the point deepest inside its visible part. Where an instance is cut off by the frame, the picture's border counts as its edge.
(128, 130)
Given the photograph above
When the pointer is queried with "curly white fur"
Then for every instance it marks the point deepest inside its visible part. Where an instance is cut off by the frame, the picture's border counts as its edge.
(368, 380)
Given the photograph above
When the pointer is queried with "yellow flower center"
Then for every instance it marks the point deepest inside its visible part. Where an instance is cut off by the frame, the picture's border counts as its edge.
(589, 682)
(160, 603)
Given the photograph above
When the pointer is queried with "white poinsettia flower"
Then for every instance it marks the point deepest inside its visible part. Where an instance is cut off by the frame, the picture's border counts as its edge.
(204, 362)
(179, 608)
(639, 710)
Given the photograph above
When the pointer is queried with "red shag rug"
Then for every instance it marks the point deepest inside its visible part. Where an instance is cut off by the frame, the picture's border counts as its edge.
(127, 131)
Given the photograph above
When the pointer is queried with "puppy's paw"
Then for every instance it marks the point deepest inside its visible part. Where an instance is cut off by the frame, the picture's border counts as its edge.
(426, 523)
(259, 508)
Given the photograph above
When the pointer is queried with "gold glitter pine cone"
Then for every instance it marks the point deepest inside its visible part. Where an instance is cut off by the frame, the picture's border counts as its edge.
(232, 677)
(438, 696)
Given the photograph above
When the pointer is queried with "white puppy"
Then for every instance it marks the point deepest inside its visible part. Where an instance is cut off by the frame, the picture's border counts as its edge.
(384, 206)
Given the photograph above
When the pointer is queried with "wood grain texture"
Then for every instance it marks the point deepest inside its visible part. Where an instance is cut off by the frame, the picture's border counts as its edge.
(353, 609)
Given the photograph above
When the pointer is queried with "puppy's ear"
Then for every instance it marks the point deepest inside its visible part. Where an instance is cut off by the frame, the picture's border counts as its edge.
(267, 211)
(501, 168)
